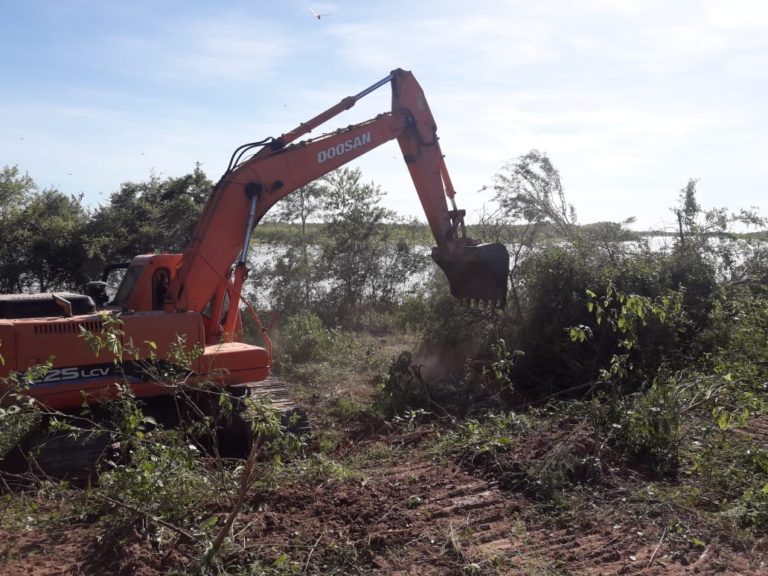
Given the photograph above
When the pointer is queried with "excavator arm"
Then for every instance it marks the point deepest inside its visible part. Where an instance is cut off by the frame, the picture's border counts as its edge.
(250, 187)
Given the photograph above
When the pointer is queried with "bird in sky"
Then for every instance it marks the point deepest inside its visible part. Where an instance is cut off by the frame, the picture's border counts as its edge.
(317, 15)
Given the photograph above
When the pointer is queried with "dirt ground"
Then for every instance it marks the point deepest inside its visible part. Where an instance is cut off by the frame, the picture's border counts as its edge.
(409, 509)
(410, 513)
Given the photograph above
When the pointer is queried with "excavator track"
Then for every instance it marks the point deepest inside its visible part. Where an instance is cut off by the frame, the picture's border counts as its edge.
(276, 391)
(234, 438)
(57, 454)
(76, 456)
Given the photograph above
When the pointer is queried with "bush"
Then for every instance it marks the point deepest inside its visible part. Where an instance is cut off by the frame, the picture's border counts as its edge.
(645, 426)
(304, 338)
(18, 417)
(451, 333)
(19, 413)
(163, 476)
(412, 387)
(402, 388)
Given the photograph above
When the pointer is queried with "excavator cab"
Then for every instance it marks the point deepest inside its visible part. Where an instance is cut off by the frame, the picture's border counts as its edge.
(476, 274)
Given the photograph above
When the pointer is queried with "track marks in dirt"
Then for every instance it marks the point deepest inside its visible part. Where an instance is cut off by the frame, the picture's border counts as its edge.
(42, 554)
(470, 522)
(756, 430)
(577, 551)
(410, 513)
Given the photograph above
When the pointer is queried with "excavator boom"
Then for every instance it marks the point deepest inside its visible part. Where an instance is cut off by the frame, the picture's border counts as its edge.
(251, 186)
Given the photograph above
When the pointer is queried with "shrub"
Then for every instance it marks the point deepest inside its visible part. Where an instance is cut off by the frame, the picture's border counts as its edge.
(163, 476)
(402, 388)
(645, 426)
(18, 417)
(304, 338)
(19, 413)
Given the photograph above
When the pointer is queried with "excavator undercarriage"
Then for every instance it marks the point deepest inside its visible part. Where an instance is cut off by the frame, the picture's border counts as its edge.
(76, 446)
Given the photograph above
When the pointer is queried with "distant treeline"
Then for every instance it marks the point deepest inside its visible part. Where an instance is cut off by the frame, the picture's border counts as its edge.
(418, 233)
(54, 241)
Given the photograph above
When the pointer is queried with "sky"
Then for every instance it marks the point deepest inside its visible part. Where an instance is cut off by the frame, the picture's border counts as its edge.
(629, 99)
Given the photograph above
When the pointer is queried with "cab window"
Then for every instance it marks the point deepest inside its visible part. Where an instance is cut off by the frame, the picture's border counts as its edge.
(127, 285)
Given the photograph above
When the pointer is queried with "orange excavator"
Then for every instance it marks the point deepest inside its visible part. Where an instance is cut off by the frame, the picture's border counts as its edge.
(198, 293)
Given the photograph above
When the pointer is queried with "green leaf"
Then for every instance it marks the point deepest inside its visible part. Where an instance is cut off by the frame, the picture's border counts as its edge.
(209, 523)
(575, 334)
(698, 543)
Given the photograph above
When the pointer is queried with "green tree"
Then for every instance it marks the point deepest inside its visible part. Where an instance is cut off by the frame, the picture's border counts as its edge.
(54, 253)
(690, 207)
(355, 263)
(44, 246)
(530, 205)
(288, 280)
(301, 206)
(15, 188)
(362, 261)
(15, 191)
(158, 215)
(51, 241)
(713, 258)
(529, 189)
(297, 269)
(549, 279)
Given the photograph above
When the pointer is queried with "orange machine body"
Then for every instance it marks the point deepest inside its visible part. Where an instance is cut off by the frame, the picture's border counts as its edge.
(197, 294)
(75, 374)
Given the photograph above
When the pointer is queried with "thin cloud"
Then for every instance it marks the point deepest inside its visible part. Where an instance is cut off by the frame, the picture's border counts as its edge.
(198, 52)
(630, 98)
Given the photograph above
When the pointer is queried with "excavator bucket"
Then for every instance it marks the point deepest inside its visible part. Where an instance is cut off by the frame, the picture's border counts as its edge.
(477, 274)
